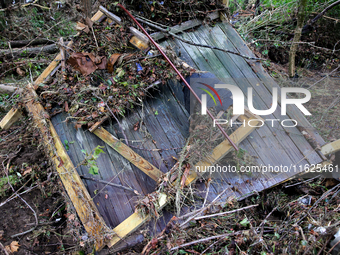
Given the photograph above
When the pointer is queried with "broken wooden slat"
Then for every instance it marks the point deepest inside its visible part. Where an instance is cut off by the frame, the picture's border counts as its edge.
(110, 15)
(12, 116)
(331, 147)
(129, 154)
(98, 123)
(81, 200)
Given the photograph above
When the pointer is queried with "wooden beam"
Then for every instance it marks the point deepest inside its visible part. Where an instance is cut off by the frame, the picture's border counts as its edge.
(12, 116)
(331, 147)
(128, 153)
(76, 190)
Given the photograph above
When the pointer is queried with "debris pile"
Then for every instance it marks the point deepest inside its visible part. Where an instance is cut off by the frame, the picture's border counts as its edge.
(107, 79)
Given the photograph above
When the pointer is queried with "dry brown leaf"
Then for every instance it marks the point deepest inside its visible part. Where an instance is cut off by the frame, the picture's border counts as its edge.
(71, 217)
(27, 171)
(13, 247)
(20, 72)
(66, 106)
(113, 59)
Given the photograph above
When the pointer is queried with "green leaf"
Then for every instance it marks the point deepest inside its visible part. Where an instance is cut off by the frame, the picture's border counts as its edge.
(156, 112)
(94, 170)
(277, 235)
(98, 150)
(83, 151)
(67, 147)
(244, 222)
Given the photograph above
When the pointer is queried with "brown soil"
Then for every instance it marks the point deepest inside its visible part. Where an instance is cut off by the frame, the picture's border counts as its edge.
(28, 167)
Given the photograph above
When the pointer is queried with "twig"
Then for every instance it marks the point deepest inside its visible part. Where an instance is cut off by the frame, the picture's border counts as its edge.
(195, 44)
(323, 77)
(3, 248)
(262, 223)
(110, 183)
(203, 252)
(223, 213)
(324, 11)
(338, 242)
(196, 213)
(16, 195)
(324, 245)
(294, 184)
(207, 239)
(114, 116)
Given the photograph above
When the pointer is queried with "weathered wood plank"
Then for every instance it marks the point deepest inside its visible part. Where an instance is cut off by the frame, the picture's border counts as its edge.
(86, 210)
(129, 154)
(118, 202)
(262, 99)
(136, 220)
(331, 147)
(11, 117)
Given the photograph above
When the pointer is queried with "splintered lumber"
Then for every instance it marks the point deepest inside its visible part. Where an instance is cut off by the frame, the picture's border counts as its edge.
(331, 147)
(110, 15)
(12, 116)
(76, 190)
(128, 153)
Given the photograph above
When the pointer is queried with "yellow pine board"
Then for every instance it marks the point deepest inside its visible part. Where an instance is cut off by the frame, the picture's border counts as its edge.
(331, 147)
(12, 116)
(81, 200)
(129, 154)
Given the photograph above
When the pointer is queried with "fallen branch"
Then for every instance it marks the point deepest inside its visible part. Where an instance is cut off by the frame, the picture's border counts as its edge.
(224, 213)
(26, 43)
(12, 7)
(3, 249)
(194, 44)
(207, 239)
(26, 52)
(324, 11)
(8, 89)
